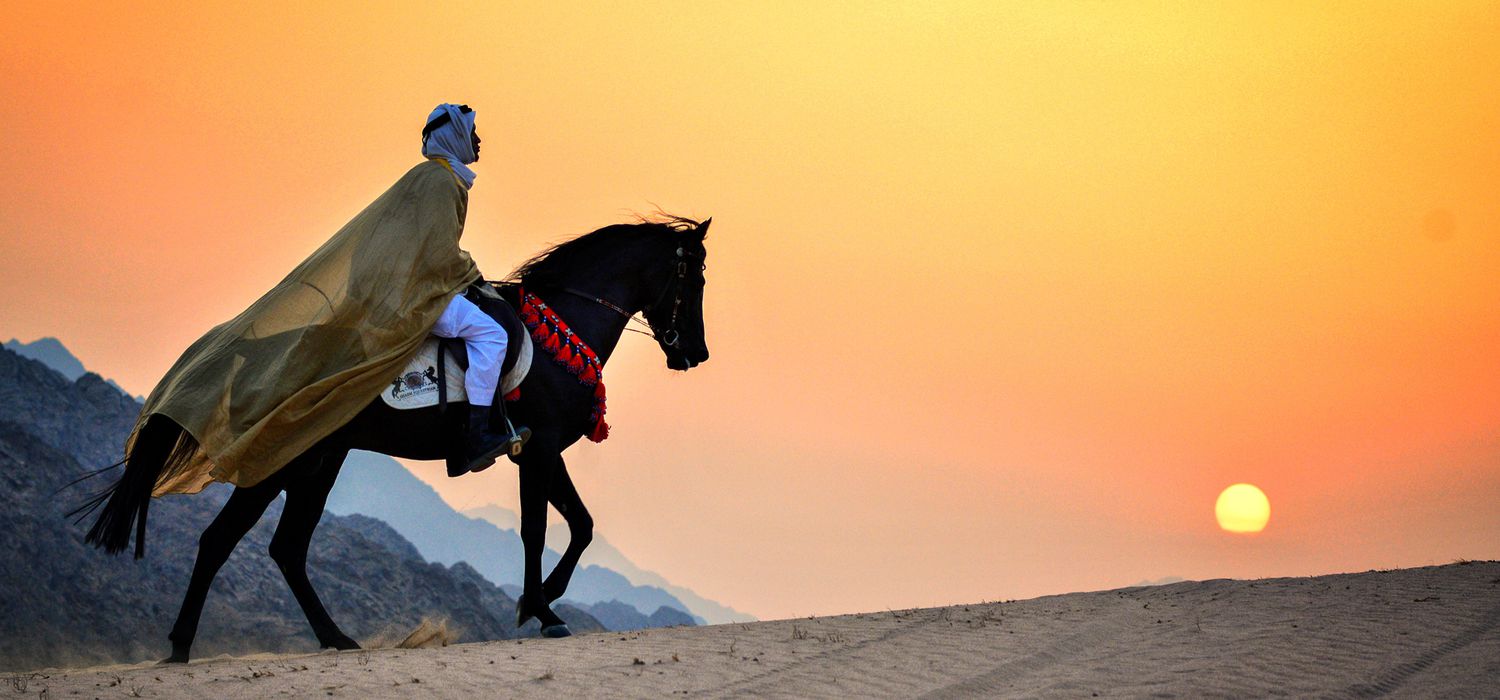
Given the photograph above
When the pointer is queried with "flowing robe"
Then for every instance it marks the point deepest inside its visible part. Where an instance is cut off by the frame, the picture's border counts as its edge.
(262, 388)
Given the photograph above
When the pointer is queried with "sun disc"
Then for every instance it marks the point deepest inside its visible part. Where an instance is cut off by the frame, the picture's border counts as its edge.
(1242, 508)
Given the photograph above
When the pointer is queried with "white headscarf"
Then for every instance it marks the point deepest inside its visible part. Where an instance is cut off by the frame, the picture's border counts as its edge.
(453, 141)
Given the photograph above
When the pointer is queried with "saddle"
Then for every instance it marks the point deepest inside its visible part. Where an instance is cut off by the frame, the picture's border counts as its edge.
(435, 376)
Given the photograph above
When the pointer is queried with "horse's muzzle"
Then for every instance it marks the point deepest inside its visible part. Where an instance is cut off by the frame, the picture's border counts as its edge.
(686, 362)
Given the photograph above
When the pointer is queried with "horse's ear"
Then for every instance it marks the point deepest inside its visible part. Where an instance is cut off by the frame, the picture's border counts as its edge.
(703, 228)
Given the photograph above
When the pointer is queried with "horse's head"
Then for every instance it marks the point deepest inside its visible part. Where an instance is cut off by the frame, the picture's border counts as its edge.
(655, 265)
(676, 316)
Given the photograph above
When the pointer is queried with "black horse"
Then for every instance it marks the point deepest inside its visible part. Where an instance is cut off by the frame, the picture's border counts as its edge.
(596, 282)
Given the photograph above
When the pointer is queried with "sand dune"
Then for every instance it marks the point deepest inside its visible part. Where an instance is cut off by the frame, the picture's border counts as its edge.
(1429, 632)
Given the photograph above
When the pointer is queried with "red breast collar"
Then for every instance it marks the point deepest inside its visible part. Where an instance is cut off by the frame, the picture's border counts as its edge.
(568, 350)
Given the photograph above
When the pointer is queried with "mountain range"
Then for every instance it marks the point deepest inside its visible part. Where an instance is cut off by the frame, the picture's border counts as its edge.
(603, 554)
(485, 538)
(379, 487)
(51, 352)
(67, 603)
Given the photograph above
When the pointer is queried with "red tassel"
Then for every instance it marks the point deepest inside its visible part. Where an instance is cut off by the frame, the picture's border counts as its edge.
(514, 395)
(571, 352)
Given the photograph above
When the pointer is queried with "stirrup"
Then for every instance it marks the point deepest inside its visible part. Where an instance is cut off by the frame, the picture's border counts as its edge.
(518, 438)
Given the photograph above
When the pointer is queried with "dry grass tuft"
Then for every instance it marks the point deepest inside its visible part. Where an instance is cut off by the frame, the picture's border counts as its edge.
(430, 633)
(427, 635)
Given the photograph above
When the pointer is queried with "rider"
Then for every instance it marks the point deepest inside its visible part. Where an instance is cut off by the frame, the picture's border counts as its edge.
(307, 357)
(451, 139)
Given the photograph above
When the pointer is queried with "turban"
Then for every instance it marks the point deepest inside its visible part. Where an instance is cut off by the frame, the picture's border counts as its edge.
(451, 139)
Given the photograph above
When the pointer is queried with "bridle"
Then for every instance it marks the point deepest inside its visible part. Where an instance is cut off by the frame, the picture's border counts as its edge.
(676, 282)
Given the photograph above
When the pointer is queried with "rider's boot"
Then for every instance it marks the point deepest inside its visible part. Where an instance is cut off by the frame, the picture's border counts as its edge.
(482, 447)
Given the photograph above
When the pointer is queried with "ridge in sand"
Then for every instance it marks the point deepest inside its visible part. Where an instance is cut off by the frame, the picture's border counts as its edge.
(1429, 632)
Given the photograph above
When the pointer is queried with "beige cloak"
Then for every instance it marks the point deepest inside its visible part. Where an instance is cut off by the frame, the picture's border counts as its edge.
(259, 390)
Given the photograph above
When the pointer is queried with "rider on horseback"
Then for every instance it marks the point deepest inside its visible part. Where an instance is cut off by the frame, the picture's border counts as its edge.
(451, 139)
(266, 386)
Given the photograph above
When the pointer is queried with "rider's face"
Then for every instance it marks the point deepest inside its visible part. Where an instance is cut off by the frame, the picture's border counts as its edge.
(475, 138)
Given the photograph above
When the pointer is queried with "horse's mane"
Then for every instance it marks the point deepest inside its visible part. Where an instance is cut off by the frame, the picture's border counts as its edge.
(545, 269)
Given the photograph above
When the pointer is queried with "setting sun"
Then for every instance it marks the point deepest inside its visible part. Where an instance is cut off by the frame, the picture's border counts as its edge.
(1242, 508)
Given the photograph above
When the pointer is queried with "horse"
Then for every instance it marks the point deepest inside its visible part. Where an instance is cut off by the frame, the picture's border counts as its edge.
(598, 282)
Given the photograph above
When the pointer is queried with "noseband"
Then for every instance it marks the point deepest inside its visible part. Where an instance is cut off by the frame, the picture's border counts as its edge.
(676, 282)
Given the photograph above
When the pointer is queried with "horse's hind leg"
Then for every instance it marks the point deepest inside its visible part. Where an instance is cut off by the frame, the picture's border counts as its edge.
(306, 493)
(244, 508)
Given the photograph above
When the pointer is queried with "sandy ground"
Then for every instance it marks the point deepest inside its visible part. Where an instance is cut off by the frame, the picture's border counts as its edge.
(1429, 632)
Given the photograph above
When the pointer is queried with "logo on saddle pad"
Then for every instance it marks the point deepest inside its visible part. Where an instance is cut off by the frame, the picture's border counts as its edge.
(417, 385)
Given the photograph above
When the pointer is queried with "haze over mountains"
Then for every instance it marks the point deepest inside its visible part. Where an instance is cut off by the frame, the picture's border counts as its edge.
(65, 602)
(378, 486)
(486, 538)
(50, 352)
(603, 554)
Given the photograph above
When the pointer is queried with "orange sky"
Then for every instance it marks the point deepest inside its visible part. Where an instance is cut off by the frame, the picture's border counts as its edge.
(999, 299)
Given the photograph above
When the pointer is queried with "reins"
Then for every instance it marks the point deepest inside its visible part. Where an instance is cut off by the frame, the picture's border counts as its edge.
(615, 308)
(671, 338)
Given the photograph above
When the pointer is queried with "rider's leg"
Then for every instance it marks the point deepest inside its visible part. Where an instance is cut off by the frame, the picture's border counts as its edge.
(485, 340)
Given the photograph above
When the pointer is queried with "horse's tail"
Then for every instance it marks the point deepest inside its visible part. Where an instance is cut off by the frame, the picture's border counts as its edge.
(161, 447)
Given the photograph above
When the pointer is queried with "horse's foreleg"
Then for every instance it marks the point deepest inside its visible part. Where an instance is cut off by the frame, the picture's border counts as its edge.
(244, 508)
(564, 498)
(536, 477)
(306, 493)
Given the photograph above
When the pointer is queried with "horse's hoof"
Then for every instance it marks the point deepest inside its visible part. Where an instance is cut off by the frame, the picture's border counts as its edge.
(343, 643)
(557, 628)
(179, 654)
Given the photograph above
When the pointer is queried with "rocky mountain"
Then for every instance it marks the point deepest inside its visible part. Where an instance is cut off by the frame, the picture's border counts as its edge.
(376, 485)
(50, 352)
(619, 616)
(66, 603)
(486, 537)
(623, 617)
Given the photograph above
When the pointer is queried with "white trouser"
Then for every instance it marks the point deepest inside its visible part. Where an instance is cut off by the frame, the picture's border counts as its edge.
(485, 340)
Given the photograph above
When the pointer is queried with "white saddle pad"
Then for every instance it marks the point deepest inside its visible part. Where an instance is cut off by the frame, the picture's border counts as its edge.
(416, 386)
